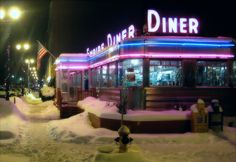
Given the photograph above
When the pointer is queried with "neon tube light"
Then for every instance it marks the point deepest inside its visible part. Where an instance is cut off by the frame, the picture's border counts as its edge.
(113, 58)
(72, 60)
(177, 55)
(192, 39)
(164, 55)
(61, 67)
(181, 44)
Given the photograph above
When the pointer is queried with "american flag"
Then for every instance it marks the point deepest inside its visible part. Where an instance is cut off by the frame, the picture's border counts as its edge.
(41, 52)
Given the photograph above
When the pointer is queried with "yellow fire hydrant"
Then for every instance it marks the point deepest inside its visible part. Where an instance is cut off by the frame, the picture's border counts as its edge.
(123, 138)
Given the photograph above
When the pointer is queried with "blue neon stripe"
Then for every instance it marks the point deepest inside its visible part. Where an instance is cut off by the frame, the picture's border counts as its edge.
(181, 44)
(200, 40)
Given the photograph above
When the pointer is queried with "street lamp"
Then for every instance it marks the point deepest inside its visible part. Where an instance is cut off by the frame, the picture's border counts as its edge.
(12, 13)
(28, 62)
(8, 15)
(25, 46)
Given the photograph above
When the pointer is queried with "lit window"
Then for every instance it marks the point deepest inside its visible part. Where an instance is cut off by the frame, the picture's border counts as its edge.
(130, 72)
(112, 75)
(165, 73)
(211, 73)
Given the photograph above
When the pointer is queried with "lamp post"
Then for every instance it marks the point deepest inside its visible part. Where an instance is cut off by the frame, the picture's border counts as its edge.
(8, 15)
(22, 47)
(28, 62)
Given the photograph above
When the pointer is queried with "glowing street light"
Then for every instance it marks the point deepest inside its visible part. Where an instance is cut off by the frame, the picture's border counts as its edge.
(8, 15)
(28, 62)
(18, 46)
(14, 13)
(2, 14)
(24, 46)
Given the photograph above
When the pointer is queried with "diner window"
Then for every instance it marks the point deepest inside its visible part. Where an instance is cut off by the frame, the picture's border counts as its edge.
(104, 76)
(112, 75)
(75, 78)
(130, 72)
(165, 73)
(94, 77)
(98, 77)
(234, 73)
(211, 73)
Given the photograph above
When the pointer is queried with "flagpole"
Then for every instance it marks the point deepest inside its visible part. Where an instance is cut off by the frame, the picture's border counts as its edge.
(47, 50)
(51, 54)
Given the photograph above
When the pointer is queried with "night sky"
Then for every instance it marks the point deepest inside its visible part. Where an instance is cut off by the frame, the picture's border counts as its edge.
(74, 25)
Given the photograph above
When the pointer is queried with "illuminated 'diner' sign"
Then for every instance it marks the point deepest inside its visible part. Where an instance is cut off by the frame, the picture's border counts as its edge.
(114, 39)
(156, 23)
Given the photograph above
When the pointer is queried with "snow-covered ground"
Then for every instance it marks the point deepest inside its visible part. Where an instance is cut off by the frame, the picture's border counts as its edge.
(108, 110)
(74, 139)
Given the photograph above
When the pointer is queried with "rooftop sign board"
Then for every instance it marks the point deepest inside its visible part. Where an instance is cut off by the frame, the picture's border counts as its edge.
(113, 40)
(182, 25)
(155, 24)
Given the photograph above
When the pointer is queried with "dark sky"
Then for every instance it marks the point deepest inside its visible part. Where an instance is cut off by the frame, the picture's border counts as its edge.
(79, 24)
(75, 25)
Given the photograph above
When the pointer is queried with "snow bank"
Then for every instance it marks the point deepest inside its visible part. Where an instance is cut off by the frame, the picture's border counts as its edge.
(5, 107)
(41, 111)
(47, 91)
(104, 109)
(10, 119)
(230, 133)
(134, 154)
(75, 127)
(31, 99)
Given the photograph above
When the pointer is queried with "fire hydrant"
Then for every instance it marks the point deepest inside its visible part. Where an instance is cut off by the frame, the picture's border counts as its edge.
(123, 138)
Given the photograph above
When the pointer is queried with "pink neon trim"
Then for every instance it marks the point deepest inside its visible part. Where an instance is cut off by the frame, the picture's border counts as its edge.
(163, 55)
(72, 67)
(150, 55)
(114, 58)
(177, 55)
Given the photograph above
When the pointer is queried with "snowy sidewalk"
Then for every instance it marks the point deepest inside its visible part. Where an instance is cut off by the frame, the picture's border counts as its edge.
(39, 111)
(74, 139)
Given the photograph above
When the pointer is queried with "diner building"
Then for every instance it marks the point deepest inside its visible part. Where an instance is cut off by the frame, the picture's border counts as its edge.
(170, 62)
(159, 72)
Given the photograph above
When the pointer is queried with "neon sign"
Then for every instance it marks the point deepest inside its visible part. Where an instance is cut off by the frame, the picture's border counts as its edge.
(156, 23)
(113, 40)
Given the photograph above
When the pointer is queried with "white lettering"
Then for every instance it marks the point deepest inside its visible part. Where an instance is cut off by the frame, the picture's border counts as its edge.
(164, 25)
(114, 40)
(153, 14)
(118, 38)
(124, 34)
(102, 46)
(182, 25)
(131, 31)
(193, 25)
(173, 23)
(109, 40)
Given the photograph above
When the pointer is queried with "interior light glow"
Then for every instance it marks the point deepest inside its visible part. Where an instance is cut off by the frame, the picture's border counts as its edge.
(134, 62)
